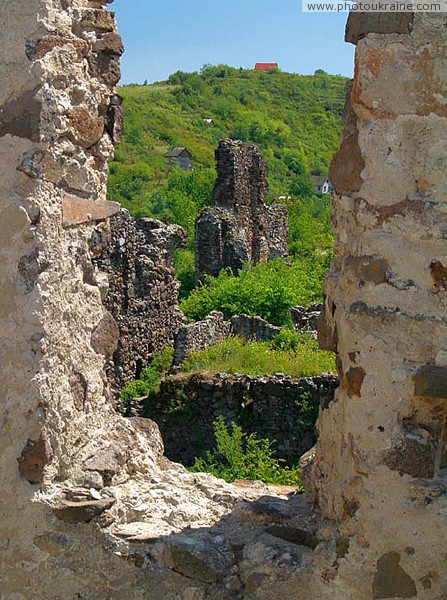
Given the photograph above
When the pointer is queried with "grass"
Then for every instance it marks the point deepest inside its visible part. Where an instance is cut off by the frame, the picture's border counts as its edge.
(236, 355)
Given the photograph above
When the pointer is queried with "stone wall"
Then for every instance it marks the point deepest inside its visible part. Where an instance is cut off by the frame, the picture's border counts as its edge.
(306, 318)
(133, 260)
(89, 507)
(380, 461)
(278, 408)
(241, 227)
(214, 329)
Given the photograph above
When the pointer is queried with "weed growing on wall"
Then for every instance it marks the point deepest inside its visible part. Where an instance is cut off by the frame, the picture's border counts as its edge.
(151, 376)
(241, 456)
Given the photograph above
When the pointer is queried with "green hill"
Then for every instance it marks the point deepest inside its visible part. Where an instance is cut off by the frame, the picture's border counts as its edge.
(296, 121)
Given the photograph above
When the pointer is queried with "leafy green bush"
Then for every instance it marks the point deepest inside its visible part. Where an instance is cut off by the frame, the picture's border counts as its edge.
(288, 340)
(238, 456)
(302, 358)
(267, 290)
(150, 378)
(184, 265)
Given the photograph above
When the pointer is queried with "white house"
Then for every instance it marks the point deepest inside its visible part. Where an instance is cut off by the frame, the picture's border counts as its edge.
(322, 184)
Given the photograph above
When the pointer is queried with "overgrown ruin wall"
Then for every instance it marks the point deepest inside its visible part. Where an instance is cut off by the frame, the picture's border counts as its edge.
(279, 408)
(89, 508)
(133, 259)
(240, 228)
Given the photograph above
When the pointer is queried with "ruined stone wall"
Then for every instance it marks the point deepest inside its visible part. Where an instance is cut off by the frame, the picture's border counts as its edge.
(214, 329)
(241, 227)
(89, 508)
(277, 407)
(380, 465)
(133, 258)
(59, 435)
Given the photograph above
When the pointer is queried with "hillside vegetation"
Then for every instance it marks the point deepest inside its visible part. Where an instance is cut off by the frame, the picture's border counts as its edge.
(295, 120)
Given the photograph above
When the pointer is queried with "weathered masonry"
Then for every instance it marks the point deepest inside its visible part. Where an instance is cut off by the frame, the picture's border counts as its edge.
(240, 227)
(89, 507)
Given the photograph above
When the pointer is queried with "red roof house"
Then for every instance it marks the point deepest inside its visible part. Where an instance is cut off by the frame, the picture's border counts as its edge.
(265, 66)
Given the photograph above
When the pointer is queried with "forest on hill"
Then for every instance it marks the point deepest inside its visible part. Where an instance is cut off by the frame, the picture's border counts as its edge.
(296, 121)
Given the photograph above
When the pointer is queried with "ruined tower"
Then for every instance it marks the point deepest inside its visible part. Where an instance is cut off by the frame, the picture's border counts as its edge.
(240, 227)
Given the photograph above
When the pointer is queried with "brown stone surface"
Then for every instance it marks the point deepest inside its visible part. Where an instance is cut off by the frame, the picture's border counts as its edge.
(346, 167)
(98, 19)
(360, 24)
(412, 457)
(105, 337)
(352, 381)
(111, 43)
(88, 128)
(81, 512)
(76, 210)
(390, 580)
(39, 49)
(431, 382)
(35, 456)
(439, 274)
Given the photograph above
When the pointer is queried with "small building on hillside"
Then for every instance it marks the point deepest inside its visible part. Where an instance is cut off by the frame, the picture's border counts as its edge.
(266, 66)
(182, 156)
(322, 184)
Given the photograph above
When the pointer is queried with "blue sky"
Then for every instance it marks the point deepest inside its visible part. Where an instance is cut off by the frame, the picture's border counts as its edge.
(163, 37)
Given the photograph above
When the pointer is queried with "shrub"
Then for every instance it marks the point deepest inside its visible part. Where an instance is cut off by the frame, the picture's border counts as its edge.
(150, 378)
(238, 456)
(268, 290)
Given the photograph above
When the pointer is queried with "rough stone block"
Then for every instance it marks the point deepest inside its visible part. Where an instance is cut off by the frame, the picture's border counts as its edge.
(347, 165)
(196, 558)
(34, 458)
(105, 337)
(88, 128)
(431, 382)
(98, 19)
(390, 580)
(412, 457)
(37, 50)
(360, 24)
(76, 210)
(82, 512)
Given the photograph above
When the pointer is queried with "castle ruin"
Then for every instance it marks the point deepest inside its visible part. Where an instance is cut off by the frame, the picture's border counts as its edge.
(240, 228)
(89, 507)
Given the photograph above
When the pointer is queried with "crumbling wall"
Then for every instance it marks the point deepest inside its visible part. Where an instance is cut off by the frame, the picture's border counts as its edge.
(379, 468)
(89, 508)
(241, 227)
(280, 408)
(71, 470)
(133, 258)
(214, 329)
